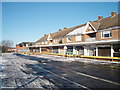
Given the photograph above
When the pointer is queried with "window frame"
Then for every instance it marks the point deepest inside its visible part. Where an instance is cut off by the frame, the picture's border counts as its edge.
(103, 33)
(76, 38)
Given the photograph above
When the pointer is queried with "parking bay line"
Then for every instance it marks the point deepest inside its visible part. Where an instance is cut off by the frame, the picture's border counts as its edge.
(65, 78)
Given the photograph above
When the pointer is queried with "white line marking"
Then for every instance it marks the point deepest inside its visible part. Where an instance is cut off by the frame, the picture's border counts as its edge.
(91, 76)
(65, 78)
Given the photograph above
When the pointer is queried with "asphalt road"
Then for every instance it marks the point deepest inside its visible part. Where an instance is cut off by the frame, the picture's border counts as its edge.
(59, 74)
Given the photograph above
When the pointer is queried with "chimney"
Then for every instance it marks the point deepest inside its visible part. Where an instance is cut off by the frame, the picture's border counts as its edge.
(100, 18)
(65, 28)
(113, 13)
(60, 29)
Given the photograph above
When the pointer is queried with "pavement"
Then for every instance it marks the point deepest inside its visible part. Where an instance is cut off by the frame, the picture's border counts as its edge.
(74, 59)
(49, 71)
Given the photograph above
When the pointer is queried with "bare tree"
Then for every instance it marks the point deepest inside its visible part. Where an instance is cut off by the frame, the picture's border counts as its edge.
(5, 44)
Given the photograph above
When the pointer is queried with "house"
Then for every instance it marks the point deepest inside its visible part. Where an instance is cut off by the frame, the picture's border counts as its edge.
(94, 38)
(23, 47)
(12, 49)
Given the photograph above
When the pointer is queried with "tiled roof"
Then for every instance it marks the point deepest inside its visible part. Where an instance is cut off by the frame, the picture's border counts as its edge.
(98, 25)
(60, 33)
(106, 22)
(44, 38)
(95, 24)
(23, 43)
(109, 22)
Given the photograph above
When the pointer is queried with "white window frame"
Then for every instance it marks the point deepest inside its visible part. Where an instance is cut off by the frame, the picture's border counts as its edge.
(106, 32)
(78, 38)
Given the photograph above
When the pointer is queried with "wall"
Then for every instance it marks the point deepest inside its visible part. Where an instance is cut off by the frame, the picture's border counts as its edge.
(115, 35)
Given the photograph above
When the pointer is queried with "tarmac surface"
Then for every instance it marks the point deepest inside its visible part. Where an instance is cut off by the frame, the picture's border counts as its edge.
(48, 72)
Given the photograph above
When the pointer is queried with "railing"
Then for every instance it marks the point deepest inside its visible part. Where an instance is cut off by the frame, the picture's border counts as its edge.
(91, 39)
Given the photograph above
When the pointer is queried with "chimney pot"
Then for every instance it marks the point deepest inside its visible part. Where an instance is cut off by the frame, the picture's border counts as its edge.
(60, 29)
(100, 17)
(65, 28)
(113, 13)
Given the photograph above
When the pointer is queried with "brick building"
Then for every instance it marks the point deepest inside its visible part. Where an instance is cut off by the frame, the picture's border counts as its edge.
(94, 38)
(24, 47)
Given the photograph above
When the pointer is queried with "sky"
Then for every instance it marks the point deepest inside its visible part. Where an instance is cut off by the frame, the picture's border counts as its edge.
(29, 21)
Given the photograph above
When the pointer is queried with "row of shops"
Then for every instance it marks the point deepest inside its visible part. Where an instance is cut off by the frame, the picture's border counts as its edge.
(94, 38)
(87, 50)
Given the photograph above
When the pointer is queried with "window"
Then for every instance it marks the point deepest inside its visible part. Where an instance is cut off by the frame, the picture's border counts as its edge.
(46, 42)
(55, 41)
(42, 42)
(62, 40)
(78, 38)
(69, 39)
(37, 43)
(106, 34)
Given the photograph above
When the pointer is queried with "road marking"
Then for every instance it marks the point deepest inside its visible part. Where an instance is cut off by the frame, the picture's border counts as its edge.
(64, 78)
(91, 76)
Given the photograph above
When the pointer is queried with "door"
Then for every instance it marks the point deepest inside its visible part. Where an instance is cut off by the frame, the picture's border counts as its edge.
(104, 51)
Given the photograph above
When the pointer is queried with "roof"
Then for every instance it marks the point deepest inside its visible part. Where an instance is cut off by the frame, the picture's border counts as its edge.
(95, 24)
(77, 31)
(98, 25)
(106, 22)
(26, 43)
(60, 33)
(44, 38)
(110, 22)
